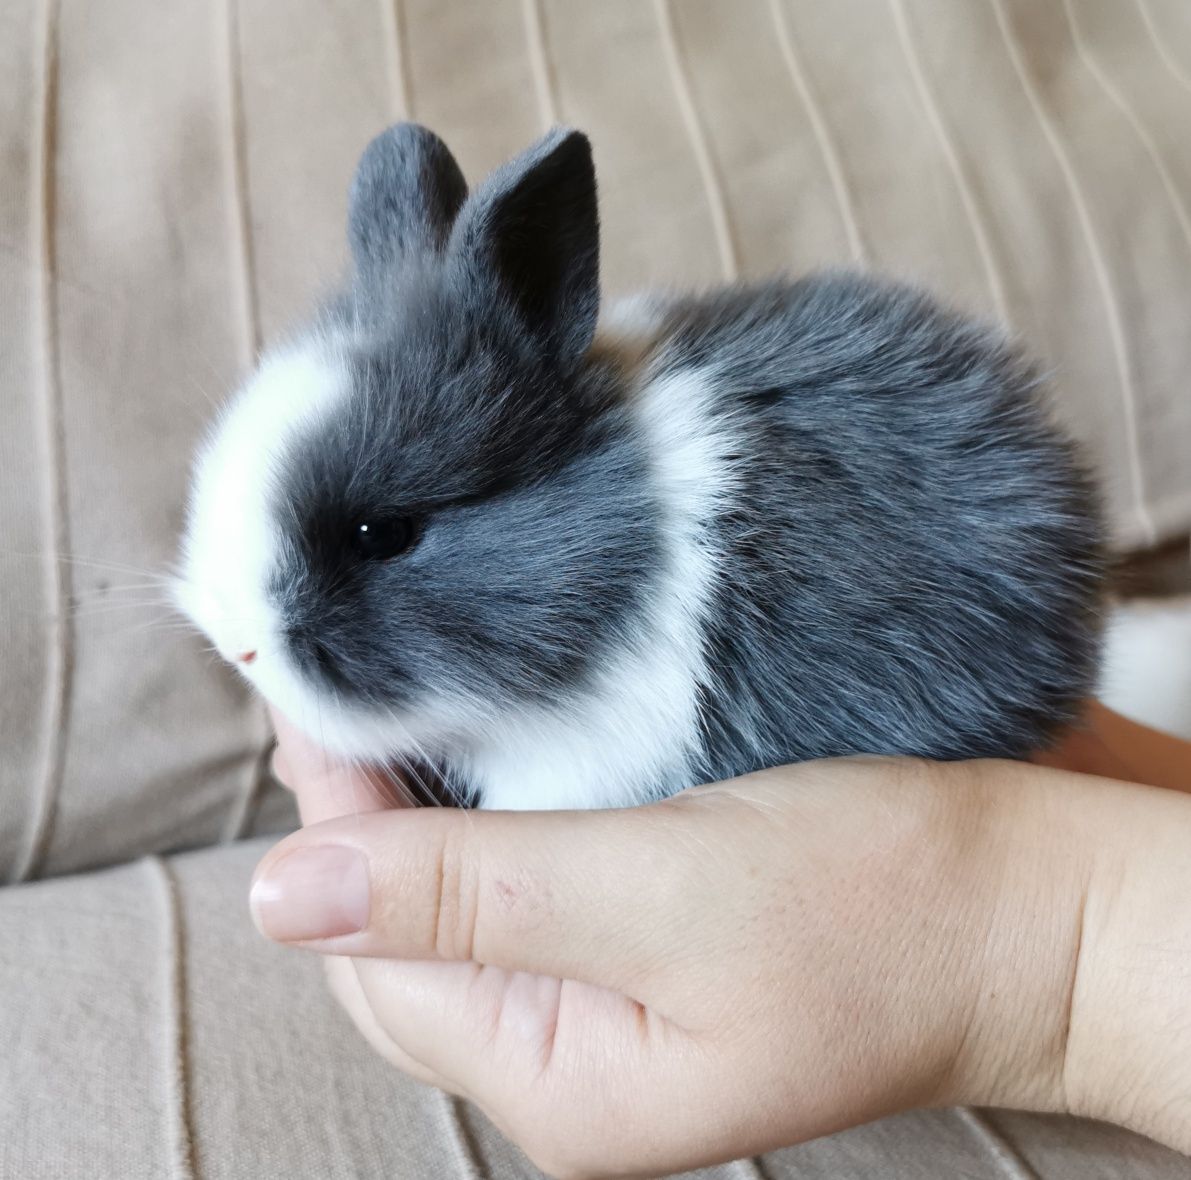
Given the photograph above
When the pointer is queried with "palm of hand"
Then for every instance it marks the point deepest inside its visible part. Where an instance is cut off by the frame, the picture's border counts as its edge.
(736, 969)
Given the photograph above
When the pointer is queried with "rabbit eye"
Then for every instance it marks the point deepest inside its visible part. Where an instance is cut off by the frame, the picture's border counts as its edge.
(380, 538)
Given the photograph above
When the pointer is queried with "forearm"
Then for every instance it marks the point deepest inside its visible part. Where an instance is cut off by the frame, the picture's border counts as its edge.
(1107, 744)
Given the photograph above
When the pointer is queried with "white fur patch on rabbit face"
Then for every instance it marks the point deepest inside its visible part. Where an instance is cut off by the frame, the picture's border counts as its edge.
(232, 542)
(232, 547)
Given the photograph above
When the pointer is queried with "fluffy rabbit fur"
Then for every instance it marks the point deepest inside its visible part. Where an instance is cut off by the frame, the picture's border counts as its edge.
(455, 524)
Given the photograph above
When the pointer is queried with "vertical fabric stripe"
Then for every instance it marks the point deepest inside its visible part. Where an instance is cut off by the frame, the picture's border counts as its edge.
(1008, 1162)
(237, 171)
(243, 809)
(967, 193)
(749, 1169)
(1173, 68)
(540, 66)
(175, 1052)
(392, 15)
(247, 299)
(60, 646)
(1118, 99)
(822, 134)
(1108, 293)
(462, 1150)
(712, 186)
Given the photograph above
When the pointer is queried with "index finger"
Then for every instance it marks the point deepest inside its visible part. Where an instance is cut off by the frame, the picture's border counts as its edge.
(326, 786)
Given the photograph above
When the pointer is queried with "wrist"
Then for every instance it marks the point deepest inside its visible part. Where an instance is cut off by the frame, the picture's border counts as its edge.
(1025, 865)
(1128, 1051)
(1084, 969)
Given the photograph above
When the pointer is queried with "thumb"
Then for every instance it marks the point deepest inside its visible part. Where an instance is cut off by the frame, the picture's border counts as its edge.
(579, 895)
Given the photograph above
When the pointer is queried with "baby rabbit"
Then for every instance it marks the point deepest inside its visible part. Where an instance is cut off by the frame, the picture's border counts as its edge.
(460, 524)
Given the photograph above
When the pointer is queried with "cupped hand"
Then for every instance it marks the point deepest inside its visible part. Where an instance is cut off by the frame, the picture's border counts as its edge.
(748, 965)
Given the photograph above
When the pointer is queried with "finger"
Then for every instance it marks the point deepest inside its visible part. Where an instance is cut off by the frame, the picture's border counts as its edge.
(326, 787)
(602, 896)
(344, 982)
(421, 1013)
(540, 1055)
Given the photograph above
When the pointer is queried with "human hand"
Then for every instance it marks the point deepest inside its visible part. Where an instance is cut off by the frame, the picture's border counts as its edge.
(750, 965)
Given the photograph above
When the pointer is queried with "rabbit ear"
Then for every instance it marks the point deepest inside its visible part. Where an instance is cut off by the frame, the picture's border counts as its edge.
(404, 198)
(532, 230)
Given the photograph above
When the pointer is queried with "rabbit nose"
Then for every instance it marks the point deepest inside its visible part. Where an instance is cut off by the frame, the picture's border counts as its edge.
(245, 657)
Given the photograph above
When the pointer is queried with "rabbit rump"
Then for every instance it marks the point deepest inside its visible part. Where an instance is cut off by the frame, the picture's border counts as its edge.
(457, 523)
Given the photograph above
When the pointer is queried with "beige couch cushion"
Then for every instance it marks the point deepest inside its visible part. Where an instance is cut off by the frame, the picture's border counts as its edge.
(174, 179)
(148, 1031)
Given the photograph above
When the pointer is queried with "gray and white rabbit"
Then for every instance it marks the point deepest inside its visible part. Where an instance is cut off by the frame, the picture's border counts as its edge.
(460, 524)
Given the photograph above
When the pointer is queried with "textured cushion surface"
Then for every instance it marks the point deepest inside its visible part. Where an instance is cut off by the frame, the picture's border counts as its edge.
(174, 178)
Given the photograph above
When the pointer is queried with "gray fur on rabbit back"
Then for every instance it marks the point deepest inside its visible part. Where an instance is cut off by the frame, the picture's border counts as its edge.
(776, 522)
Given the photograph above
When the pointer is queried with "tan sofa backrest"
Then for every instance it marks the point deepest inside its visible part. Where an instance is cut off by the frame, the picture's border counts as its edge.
(174, 192)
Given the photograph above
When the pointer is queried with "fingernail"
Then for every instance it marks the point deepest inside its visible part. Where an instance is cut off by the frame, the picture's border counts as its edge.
(312, 893)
